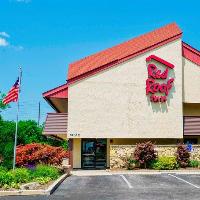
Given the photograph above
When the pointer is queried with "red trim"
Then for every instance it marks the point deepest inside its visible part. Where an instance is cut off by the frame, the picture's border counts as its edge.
(58, 92)
(191, 53)
(116, 62)
(160, 60)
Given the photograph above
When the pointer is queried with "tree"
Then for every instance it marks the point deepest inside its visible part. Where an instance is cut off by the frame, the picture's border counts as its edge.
(28, 132)
(2, 106)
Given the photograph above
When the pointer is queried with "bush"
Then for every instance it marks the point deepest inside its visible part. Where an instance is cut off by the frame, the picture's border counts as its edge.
(42, 180)
(6, 178)
(145, 153)
(165, 163)
(4, 169)
(32, 154)
(21, 175)
(131, 164)
(28, 132)
(42, 174)
(182, 155)
(46, 171)
(194, 163)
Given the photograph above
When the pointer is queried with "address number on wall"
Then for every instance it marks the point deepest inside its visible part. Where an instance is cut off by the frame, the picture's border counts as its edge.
(74, 134)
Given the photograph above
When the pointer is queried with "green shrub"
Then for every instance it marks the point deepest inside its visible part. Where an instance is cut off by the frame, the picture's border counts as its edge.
(131, 164)
(21, 175)
(42, 180)
(4, 169)
(11, 185)
(6, 178)
(42, 174)
(46, 171)
(194, 163)
(165, 163)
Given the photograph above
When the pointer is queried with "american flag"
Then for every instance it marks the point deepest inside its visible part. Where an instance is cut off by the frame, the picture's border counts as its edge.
(12, 95)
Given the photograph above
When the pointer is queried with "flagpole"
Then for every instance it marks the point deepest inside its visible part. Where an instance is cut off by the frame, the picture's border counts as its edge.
(17, 119)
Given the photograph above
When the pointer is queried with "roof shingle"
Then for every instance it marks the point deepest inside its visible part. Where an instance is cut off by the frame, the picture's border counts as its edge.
(123, 50)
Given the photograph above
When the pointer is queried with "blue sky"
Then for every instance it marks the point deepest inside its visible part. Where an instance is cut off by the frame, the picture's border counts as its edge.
(44, 36)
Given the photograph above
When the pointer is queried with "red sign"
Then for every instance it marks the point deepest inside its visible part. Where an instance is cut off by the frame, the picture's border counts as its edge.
(153, 87)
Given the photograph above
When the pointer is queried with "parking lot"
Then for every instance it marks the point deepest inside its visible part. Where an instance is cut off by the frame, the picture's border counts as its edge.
(125, 186)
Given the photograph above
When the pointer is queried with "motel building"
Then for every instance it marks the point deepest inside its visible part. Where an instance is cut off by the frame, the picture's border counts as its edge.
(147, 88)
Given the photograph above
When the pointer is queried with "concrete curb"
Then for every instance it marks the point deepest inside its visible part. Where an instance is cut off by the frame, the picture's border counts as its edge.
(156, 172)
(48, 191)
(134, 172)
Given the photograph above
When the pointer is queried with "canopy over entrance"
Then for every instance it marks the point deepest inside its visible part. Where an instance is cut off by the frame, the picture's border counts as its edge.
(58, 98)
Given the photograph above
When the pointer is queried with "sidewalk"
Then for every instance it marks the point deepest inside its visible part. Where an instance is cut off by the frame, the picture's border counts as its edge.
(109, 172)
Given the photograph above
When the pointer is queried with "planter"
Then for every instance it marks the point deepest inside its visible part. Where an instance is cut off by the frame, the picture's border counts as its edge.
(49, 190)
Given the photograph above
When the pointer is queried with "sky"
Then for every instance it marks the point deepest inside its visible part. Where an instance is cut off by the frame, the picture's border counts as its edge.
(44, 36)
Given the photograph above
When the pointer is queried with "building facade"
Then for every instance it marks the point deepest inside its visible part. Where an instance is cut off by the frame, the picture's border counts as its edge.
(146, 88)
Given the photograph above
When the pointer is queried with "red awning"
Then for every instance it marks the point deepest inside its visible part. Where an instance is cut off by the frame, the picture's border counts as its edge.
(191, 125)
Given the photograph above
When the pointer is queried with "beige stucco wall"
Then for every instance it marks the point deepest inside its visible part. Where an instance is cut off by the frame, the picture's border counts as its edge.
(191, 92)
(113, 103)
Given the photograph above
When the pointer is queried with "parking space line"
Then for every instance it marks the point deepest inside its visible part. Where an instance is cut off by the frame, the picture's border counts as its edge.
(126, 181)
(184, 181)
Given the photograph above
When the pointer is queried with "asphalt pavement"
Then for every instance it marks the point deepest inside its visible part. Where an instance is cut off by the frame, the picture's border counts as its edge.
(124, 187)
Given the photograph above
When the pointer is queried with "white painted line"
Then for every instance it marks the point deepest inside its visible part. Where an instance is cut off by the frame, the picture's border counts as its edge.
(127, 182)
(196, 186)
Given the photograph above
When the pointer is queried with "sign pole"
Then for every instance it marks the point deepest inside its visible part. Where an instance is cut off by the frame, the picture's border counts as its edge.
(17, 119)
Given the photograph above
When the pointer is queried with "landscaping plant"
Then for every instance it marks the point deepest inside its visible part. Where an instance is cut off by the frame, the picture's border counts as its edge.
(194, 163)
(14, 178)
(182, 155)
(32, 154)
(21, 175)
(145, 153)
(46, 171)
(131, 164)
(6, 178)
(165, 163)
(28, 132)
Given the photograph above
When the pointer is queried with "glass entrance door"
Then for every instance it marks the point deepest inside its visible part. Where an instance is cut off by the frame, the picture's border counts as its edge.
(93, 153)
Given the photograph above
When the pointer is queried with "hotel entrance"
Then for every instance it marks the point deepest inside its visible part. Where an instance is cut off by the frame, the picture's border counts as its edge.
(93, 153)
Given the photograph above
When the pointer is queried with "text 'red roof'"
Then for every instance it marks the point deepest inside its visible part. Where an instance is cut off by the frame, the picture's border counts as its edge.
(124, 50)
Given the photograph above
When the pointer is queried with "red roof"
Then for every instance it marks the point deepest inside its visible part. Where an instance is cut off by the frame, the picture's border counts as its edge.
(191, 53)
(58, 92)
(124, 51)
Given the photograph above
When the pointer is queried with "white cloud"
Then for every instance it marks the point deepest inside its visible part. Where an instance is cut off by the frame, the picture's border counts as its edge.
(3, 42)
(4, 34)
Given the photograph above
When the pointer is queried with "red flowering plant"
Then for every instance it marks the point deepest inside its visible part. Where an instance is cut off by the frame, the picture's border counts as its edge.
(32, 154)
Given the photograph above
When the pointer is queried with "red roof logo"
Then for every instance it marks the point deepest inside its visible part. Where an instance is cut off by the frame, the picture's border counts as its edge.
(158, 91)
